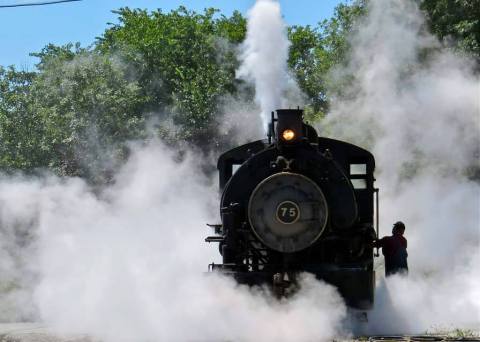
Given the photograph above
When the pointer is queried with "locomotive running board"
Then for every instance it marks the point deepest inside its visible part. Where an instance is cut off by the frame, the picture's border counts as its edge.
(214, 239)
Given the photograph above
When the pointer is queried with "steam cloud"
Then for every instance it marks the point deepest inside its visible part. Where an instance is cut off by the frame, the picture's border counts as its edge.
(264, 56)
(128, 264)
(421, 120)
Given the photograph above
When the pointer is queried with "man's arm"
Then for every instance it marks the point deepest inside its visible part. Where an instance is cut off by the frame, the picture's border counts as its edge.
(379, 243)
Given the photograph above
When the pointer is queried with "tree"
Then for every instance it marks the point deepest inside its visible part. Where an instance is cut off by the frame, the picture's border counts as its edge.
(456, 22)
(185, 62)
(88, 108)
(303, 61)
(315, 51)
(83, 104)
(20, 133)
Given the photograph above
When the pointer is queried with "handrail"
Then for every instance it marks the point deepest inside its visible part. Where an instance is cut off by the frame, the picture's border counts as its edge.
(377, 216)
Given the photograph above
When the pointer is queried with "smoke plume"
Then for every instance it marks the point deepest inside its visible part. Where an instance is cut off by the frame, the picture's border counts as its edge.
(416, 106)
(264, 56)
(129, 263)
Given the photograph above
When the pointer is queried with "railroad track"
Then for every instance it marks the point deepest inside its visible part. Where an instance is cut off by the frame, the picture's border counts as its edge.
(420, 338)
(45, 337)
(32, 332)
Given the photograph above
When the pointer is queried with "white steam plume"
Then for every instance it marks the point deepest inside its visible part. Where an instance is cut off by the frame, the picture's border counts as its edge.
(129, 264)
(421, 119)
(264, 56)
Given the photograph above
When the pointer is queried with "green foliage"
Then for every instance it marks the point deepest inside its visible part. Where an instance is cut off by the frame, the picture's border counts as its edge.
(53, 54)
(77, 111)
(86, 104)
(315, 51)
(304, 62)
(336, 30)
(185, 62)
(19, 131)
(65, 116)
(456, 22)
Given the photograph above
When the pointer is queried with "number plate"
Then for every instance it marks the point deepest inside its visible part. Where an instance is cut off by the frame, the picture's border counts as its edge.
(288, 212)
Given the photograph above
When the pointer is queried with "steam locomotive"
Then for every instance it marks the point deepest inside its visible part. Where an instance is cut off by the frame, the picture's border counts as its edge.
(296, 202)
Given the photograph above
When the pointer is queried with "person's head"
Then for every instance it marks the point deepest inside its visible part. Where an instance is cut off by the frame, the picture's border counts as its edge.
(398, 228)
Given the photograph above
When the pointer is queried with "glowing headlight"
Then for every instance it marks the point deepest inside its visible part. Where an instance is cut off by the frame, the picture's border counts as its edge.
(288, 135)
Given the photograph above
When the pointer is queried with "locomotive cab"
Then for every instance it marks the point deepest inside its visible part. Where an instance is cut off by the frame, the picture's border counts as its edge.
(298, 203)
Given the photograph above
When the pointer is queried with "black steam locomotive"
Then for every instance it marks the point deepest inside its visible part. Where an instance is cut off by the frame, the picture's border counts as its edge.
(297, 202)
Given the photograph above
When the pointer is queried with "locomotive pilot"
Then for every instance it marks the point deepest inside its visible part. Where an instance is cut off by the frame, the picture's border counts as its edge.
(394, 250)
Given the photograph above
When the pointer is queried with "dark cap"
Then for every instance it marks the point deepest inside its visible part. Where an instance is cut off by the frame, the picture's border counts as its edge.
(399, 224)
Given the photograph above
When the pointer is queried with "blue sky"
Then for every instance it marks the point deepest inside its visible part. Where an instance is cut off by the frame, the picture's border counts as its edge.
(28, 29)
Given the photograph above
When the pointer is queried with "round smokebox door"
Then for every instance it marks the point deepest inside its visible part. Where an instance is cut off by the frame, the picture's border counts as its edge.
(288, 212)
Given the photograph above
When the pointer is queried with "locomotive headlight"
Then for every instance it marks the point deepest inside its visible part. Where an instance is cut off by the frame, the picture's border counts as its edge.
(288, 135)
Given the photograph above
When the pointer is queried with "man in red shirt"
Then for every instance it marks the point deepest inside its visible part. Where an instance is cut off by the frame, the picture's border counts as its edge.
(394, 249)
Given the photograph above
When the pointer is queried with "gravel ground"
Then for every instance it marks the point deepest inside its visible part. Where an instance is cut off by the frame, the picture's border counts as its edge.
(33, 332)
